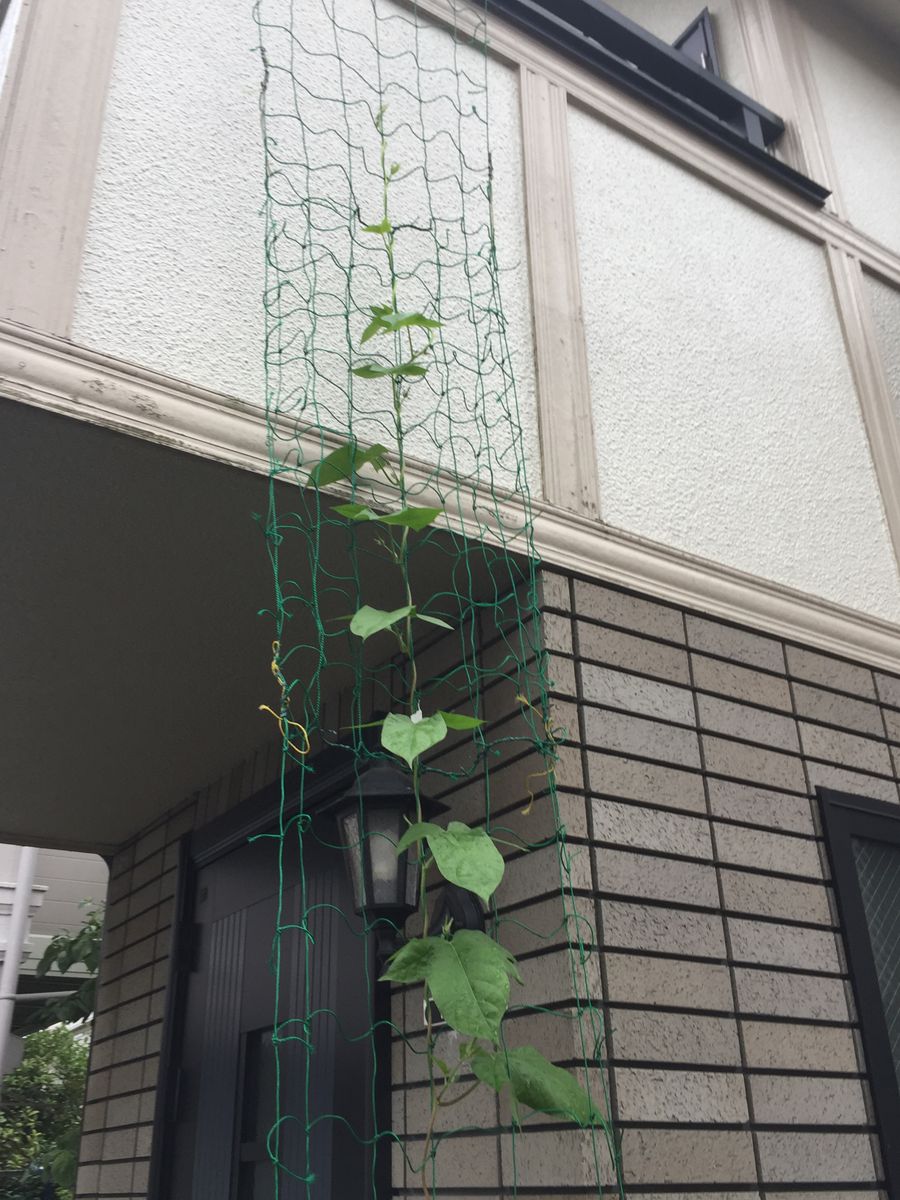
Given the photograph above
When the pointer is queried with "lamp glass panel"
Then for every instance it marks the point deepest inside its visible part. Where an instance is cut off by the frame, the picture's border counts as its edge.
(383, 834)
(355, 849)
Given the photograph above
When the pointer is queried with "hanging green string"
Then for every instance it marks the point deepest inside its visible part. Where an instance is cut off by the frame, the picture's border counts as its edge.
(342, 81)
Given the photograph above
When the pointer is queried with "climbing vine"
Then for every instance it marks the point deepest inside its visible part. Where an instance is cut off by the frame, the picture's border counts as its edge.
(465, 974)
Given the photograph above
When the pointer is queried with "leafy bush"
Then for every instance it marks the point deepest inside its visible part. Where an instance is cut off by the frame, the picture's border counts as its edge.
(40, 1117)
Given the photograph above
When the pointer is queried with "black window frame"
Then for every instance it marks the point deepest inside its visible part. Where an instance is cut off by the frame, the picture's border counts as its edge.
(618, 49)
(844, 817)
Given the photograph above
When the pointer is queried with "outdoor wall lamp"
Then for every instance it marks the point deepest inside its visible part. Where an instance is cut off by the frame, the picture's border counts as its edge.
(372, 816)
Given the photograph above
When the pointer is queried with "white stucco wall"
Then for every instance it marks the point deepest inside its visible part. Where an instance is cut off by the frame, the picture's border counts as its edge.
(174, 267)
(726, 419)
(857, 75)
(668, 19)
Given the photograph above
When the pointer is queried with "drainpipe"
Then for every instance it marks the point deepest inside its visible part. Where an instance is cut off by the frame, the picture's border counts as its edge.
(12, 957)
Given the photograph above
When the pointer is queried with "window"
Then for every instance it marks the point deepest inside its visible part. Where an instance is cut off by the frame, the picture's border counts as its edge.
(672, 79)
(699, 44)
(864, 844)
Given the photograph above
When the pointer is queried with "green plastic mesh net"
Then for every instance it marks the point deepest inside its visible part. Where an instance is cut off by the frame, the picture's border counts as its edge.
(382, 198)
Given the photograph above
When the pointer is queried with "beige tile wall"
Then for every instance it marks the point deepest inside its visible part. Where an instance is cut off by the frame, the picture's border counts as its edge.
(556, 1006)
(734, 1050)
(693, 859)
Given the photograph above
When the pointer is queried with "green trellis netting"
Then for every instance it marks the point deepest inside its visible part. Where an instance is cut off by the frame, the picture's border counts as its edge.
(346, 82)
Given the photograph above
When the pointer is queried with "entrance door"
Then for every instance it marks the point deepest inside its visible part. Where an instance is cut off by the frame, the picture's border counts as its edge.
(226, 1136)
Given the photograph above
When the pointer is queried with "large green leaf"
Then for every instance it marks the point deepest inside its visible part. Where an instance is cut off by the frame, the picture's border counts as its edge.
(345, 461)
(356, 512)
(468, 858)
(373, 370)
(416, 832)
(536, 1083)
(459, 720)
(368, 620)
(491, 1068)
(387, 320)
(467, 976)
(412, 518)
(411, 962)
(408, 738)
(464, 856)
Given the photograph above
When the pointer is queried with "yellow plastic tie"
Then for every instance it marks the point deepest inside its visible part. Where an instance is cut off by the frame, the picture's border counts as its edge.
(284, 722)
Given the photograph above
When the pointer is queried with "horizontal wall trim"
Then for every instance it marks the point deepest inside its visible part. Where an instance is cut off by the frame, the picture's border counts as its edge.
(57, 376)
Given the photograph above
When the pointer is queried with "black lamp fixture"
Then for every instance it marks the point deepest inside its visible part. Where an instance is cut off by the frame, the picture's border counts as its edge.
(372, 816)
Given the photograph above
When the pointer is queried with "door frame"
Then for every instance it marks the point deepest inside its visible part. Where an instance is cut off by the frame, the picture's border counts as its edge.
(845, 816)
(334, 770)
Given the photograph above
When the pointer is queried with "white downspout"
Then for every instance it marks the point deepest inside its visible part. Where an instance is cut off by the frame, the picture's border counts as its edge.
(12, 957)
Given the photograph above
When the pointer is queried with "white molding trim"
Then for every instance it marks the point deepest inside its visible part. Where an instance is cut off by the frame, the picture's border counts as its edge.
(770, 77)
(54, 375)
(807, 105)
(51, 118)
(873, 391)
(568, 448)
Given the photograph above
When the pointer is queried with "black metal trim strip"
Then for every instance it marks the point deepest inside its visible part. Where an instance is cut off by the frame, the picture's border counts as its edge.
(644, 66)
(846, 816)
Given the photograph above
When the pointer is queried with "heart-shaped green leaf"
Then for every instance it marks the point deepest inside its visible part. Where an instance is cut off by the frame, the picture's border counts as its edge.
(468, 977)
(408, 738)
(464, 856)
(355, 512)
(536, 1083)
(459, 720)
(345, 461)
(411, 962)
(370, 620)
(416, 832)
(412, 518)
(386, 320)
(374, 370)
(467, 857)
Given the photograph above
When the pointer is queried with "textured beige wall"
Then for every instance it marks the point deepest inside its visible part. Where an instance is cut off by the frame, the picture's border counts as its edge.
(173, 270)
(726, 418)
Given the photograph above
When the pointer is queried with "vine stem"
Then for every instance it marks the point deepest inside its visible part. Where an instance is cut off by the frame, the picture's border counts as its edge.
(408, 644)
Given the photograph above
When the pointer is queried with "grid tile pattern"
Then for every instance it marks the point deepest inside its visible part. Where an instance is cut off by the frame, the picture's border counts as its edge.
(699, 869)
(733, 1042)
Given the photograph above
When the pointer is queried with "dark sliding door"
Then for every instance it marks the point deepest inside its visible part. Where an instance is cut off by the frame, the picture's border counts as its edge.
(223, 1143)
(864, 845)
